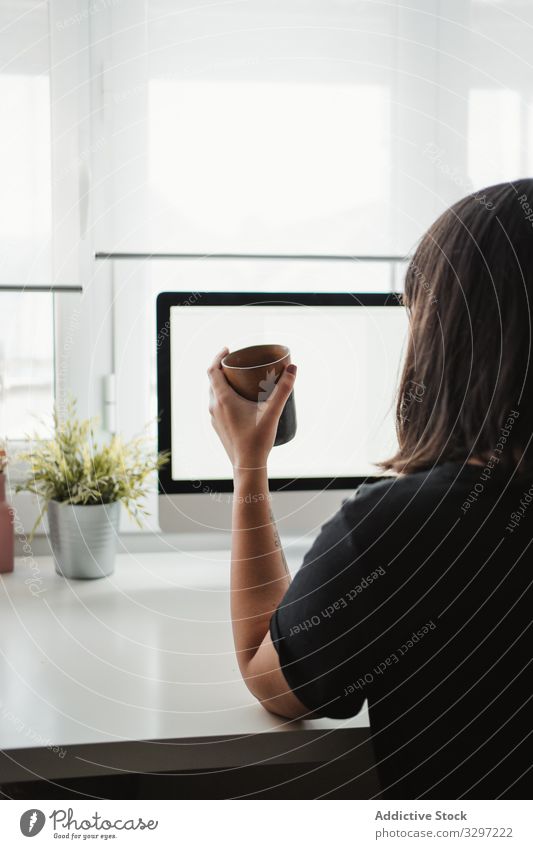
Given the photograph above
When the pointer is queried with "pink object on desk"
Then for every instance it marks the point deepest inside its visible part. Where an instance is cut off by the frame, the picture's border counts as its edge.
(7, 538)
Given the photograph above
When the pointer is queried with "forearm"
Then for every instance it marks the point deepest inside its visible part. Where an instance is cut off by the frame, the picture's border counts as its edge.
(259, 574)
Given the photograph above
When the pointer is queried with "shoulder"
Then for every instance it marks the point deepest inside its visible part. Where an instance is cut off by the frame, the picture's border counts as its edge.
(392, 507)
(384, 492)
(400, 488)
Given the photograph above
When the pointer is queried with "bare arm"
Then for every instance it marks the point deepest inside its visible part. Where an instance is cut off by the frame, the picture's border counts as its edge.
(259, 574)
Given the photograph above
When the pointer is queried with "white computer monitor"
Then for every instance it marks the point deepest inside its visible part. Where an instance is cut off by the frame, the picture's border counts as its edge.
(348, 349)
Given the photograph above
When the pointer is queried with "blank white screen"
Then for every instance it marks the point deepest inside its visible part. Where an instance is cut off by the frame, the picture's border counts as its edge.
(348, 365)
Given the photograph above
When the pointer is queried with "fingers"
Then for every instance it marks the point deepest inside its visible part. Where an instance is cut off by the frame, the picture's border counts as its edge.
(217, 362)
(219, 385)
(282, 389)
(215, 373)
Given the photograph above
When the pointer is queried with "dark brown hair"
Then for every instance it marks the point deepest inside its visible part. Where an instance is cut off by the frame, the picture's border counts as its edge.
(466, 391)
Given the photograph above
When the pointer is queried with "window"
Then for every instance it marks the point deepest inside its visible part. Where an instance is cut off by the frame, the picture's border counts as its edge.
(26, 317)
(25, 146)
(337, 130)
(272, 144)
(269, 166)
(250, 128)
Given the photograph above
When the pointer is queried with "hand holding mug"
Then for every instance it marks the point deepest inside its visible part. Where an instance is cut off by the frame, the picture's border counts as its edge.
(251, 391)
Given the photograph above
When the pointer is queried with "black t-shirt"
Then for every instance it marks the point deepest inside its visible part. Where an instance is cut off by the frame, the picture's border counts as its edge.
(417, 595)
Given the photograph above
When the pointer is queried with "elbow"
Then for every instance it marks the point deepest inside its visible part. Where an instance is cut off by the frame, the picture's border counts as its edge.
(276, 707)
(265, 680)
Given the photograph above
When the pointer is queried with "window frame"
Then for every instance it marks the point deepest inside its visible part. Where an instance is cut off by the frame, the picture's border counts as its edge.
(92, 350)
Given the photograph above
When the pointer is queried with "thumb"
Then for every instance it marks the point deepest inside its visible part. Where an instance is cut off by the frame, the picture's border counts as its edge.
(283, 389)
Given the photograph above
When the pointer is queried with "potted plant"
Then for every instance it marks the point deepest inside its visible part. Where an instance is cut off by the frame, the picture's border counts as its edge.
(81, 486)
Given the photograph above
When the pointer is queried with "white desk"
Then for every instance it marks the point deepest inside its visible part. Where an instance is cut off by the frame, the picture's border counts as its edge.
(137, 672)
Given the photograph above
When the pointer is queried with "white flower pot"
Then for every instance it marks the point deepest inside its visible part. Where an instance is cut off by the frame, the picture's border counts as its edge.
(83, 538)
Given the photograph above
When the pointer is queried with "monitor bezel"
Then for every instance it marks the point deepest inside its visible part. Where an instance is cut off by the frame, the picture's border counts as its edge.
(167, 484)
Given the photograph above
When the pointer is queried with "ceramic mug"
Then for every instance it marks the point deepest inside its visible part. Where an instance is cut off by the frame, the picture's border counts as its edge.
(253, 372)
